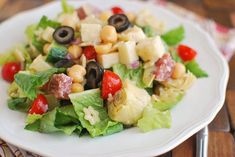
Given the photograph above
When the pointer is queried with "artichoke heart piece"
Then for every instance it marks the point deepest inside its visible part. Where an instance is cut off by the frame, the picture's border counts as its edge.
(128, 104)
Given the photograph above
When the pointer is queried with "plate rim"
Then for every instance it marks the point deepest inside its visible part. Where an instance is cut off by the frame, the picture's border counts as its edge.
(182, 135)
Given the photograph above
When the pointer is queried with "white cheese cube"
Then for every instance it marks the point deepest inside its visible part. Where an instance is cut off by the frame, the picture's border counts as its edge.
(47, 34)
(127, 53)
(150, 49)
(108, 60)
(132, 34)
(39, 64)
(91, 32)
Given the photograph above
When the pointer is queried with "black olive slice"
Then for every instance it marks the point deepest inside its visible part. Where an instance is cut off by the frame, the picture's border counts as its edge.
(63, 35)
(94, 74)
(119, 21)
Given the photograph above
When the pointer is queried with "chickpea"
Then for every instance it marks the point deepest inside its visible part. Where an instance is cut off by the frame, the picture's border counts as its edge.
(108, 34)
(103, 48)
(76, 88)
(179, 70)
(104, 16)
(77, 73)
(131, 16)
(46, 48)
(75, 51)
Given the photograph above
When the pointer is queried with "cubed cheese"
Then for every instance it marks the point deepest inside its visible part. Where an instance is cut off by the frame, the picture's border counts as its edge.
(132, 34)
(127, 53)
(108, 60)
(69, 19)
(150, 49)
(90, 32)
(47, 34)
(39, 64)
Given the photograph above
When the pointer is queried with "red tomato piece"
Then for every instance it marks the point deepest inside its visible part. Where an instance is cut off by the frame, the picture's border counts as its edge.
(9, 70)
(40, 105)
(89, 52)
(117, 10)
(186, 53)
(111, 83)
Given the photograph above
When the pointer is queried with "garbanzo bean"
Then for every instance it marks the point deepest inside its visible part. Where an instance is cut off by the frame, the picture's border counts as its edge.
(76, 88)
(131, 16)
(179, 71)
(77, 73)
(108, 34)
(75, 51)
(103, 48)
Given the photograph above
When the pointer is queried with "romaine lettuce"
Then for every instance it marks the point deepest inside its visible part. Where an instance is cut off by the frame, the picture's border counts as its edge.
(66, 7)
(51, 121)
(45, 22)
(154, 119)
(135, 75)
(194, 68)
(92, 98)
(29, 83)
(19, 104)
(174, 36)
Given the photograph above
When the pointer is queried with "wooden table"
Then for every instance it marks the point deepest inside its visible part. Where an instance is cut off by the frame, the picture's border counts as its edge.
(221, 130)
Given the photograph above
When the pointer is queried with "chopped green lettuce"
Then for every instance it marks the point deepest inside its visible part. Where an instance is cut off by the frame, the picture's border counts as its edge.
(92, 98)
(154, 119)
(30, 31)
(66, 7)
(174, 36)
(45, 22)
(149, 31)
(135, 75)
(51, 121)
(175, 56)
(19, 104)
(194, 68)
(29, 83)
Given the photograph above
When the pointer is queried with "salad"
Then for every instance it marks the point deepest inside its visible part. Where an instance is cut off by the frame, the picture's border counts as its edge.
(98, 72)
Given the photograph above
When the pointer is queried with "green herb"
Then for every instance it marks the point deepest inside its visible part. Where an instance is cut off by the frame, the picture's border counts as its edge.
(194, 68)
(174, 36)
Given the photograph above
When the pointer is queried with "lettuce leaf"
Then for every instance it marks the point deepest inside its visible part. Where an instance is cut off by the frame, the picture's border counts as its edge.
(194, 68)
(50, 122)
(92, 98)
(29, 83)
(30, 31)
(66, 7)
(174, 36)
(19, 104)
(45, 22)
(135, 75)
(154, 119)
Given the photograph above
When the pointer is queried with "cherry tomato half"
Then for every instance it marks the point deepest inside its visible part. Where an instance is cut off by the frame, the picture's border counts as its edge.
(117, 10)
(111, 83)
(9, 70)
(89, 52)
(40, 105)
(186, 53)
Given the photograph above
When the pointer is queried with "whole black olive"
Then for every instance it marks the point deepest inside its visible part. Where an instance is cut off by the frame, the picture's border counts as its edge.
(94, 74)
(119, 21)
(64, 63)
(63, 35)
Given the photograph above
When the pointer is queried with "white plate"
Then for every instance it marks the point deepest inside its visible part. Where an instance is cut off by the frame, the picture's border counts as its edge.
(198, 108)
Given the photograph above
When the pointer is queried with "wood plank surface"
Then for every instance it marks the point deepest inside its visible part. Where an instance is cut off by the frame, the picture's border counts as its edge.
(221, 144)
(230, 101)
(221, 121)
(186, 149)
